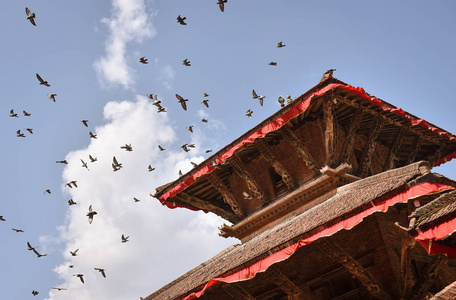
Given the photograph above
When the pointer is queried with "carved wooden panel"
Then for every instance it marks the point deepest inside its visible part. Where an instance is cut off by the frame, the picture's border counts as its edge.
(347, 148)
(370, 147)
(330, 142)
(285, 284)
(274, 161)
(226, 193)
(415, 148)
(299, 147)
(240, 169)
(397, 142)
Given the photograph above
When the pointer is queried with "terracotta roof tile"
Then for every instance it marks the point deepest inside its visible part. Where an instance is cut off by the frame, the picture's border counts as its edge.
(443, 205)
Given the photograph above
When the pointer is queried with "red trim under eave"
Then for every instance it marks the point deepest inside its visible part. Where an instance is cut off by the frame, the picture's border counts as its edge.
(261, 266)
(282, 120)
(435, 233)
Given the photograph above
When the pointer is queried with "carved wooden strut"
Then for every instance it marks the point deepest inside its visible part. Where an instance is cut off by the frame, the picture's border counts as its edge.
(241, 171)
(370, 147)
(226, 193)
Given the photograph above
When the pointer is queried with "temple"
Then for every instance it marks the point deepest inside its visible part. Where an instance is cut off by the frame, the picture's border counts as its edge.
(332, 197)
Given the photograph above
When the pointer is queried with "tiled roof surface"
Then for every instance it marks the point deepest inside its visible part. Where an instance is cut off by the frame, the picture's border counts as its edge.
(443, 205)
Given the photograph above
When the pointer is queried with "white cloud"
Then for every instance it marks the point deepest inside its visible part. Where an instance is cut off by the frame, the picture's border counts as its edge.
(129, 22)
(167, 75)
(163, 244)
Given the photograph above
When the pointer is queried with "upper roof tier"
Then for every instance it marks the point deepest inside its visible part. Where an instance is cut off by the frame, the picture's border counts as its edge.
(331, 135)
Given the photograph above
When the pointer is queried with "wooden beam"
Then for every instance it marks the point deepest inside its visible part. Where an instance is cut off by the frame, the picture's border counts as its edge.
(206, 205)
(226, 193)
(370, 147)
(274, 161)
(423, 284)
(438, 154)
(335, 252)
(350, 136)
(276, 276)
(416, 145)
(241, 170)
(299, 147)
(236, 292)
(408, 242)
(397, 142)
(330, 142)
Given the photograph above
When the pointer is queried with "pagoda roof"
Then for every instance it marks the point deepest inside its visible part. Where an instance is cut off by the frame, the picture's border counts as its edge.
(347, 208)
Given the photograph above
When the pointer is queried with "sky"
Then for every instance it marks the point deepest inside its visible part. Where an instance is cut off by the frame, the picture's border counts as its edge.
(88, 51)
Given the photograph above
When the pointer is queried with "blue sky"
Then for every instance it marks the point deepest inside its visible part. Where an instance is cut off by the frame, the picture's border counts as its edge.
(401, 52)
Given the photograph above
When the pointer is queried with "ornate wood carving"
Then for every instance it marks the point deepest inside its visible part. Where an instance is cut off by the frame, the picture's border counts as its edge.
(241, 171)
(415, 148)
(428, 277)
(275, 276)
(370, 147)
(274, 161)
(397, 142)
(438, 154)
(351, 135)
(237, 293)
(226, 193)
(207, 205)
(408, 243)
(300, 148)
(335, 252)
(330, 142)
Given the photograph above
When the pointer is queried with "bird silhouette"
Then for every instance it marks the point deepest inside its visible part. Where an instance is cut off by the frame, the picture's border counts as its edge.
(17, 230)
(29, 130)
(62, 162)
(84, 165)
(249, 113)
(161, 148)
(273, 63)
(186, 62)
(71, 202)
(127, 147)
(182, 101)
(136, 199)
(190, 128)
(90, 214)
(19, 134)
(221, 4)
(204, 120)
(255, 96)
(26, 114)
(85, 122)
(42, 82)
(194, 164)
(205, 102)
(94, 136)
(12, 114)
(184, 147)
(208, 150)
(34, 293)
(75, 252)
(328, 74)
(124, 238)
(52, 97)
(59, 288)
(92, 159)
(150, 168)
(180, 173)
(2, 218)
(48, 191)
(102, 271)
(80, 277)
(143, 60)
(181, 20)
(206, 95)
(30, 16)
(280, 45)
(38, 254)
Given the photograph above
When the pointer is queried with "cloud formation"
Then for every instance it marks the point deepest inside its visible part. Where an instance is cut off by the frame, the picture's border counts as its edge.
(163, 243)
(128, 22)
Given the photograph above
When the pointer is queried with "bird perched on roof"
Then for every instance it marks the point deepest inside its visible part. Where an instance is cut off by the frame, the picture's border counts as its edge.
(12, 114)
(90, 214)
(102, 271)
(186, 63)
(17, 230)
(249, 113)
(189, 128)
(92, 159)
(180, 173)
(30, 16)
(182, 101)
(150, 168)
(161, 148)
(181, 20)
(74, 253)
(143, 60)
(289, 100)
(26, 114)
(71, 202)
(205, 102)
(281, 101)
(42, 82)
(34, 293)
(62, 162)
(52, 97)
(84, 165)
(85, 123)
(80, 277)
(280, 45)
(328, 74)
(124, 238)
(127, 147)
(94, 136)
(221, 4)
(255, 96)
(273, 63)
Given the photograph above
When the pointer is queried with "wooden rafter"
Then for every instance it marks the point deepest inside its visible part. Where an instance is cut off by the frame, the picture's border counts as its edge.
(408, 242)
(275, 276)
(274, 161)
(422, 286)
(351, 135)
(370, 147)
(206, 205)
(226, 193)
(330, 142)
(236, 292)
(397, 142)
(335, 252)
(299, 147)
(416, 145)
(240, 169)
(438, 154)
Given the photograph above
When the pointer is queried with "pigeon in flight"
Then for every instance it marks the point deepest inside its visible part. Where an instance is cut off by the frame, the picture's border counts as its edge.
(136, 199)
(19, 134)
(280, 45)
(127, 147)
(182, 101)
(42, 82)
(84, 165)
(30, 16)
(80, 277)
(190, 128)
(273, 63)
(94, 136)
(34, 293)
(186, 63)
(150, 168)
(2, 219)
(38, 254)
(180, 173)
(47, 191)
(26, 114)
(194, 164)
(181, 20)
(92, 159)
(75, 252)
(328, 74)
(204, 120)
(85, 122)
(184, 147)
(71, 202)
(102, 271)
(255, 96)
(143, 60)
(90, 214)
(59, 288)
(161, 148)
(12, 114)
(206, 95)
(249, 113)
(205, 102)
(17, 230)
(62, 162)
(52, 97)
(221, 4)
(124, 238)
(208, 150)
(29, 130)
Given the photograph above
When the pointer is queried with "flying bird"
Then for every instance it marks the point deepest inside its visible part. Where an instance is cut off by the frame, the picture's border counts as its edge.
(102, 271)
(90, 214)
(52, 97)
(150, 96)
(34, 293)
(161, 148)
(94, 136)
(85, 122)
(281, 100)
(206, 95)
(150, 168)
(273, 63)
(190, 128)
(136, 199)
(73, 182)
(30, 16)
(62, 162)
(182, 101)
(255, 96)
(42, 82)
(29, 130)
(12, 114)
(205, 102)
(71, 202)
(75, 252)
(181, 20)
(208, 150)
(30, 246)
(249, 113)
(59, 288)
(84, 165)
(80, 277)
(186, 62)
(280, 45)
(38, 254)
(2, 219)
(124, 238)
(328, 74)
(221, 4)
(19, 134)
(180, 173)
(47, 191)
(17, 230)
(92, 159)
(127, 147)
(115, 164)
(143, 60)
(194, 164)
(191, 145)
(161, 109)
(204, 120)
(184, 147)
(26, 114)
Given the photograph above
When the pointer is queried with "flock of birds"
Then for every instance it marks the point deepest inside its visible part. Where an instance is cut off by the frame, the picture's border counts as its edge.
(116, 166)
